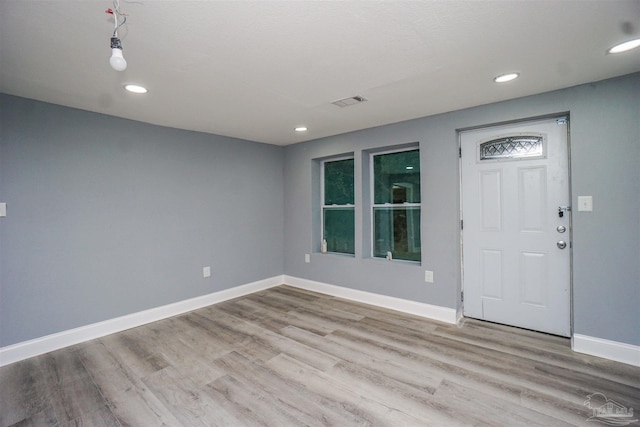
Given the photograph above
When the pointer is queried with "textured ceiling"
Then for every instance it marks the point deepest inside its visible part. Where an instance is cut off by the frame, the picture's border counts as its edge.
(255, 70)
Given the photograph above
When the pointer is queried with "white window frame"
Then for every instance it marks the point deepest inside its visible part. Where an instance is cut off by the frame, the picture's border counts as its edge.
(389, 205)
(324, 206)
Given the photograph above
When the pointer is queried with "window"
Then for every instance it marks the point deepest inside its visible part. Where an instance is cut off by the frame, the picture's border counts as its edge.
(513, 147)
(396, 205)
(338, 220)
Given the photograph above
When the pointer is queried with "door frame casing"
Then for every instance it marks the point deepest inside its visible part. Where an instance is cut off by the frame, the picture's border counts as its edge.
(558, 116)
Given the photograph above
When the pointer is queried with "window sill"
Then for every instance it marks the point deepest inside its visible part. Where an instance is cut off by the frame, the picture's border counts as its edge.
(337, 254)
(395, 261)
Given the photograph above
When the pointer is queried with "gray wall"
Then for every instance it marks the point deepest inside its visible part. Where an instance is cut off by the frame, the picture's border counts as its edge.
(108, 217)
(605, 163)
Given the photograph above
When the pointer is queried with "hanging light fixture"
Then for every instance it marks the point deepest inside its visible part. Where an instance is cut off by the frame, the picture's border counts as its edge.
(117, 60)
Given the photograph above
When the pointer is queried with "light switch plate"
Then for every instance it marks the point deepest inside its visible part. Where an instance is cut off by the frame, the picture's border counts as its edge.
(307, 258)
(585, 203)
(428, 276)
(206, 272)
(3, 209)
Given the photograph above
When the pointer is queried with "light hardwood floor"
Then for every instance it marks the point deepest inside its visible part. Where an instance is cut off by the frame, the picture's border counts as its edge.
(288, 357)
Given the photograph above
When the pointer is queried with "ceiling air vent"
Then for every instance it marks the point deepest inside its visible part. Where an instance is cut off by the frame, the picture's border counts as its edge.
(349, 101)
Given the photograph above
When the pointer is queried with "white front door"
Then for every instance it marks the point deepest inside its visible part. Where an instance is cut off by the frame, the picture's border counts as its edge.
(516, 225)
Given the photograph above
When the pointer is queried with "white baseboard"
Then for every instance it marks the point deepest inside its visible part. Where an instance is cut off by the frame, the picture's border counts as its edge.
(34, 347)
(612, 350)
(443, 314)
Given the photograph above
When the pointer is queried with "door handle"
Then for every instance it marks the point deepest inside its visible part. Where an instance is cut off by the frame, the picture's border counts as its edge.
(561, 244)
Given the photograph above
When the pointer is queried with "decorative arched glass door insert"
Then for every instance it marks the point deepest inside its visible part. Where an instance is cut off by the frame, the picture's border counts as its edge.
(513, 147)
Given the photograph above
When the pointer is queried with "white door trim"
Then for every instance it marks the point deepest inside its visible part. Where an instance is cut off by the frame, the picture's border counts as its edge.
(562, 118)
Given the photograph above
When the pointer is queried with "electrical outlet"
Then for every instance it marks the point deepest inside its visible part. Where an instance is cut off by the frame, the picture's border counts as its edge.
(428, 276)
(307, 258)
(206, 272)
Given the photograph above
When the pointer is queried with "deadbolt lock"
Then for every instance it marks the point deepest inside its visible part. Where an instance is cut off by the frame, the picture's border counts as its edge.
(562, 210)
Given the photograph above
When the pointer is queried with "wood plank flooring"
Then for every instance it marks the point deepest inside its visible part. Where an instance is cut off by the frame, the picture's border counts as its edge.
(288, 357)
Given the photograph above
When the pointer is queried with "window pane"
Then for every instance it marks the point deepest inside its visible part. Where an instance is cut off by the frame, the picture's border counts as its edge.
(339, 229)
(397, 230)
(512, 147)
(338, 182)
(397, 177)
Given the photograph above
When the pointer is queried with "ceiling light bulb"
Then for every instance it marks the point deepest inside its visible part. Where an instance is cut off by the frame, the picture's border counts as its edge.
(623, 47)
(506, 77)
(301, 129)
(117, 61)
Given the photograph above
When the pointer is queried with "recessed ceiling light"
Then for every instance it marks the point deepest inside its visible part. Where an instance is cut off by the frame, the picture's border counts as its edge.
(135, 88)
(623, 47)
(409, 168)
(301, 129)
(506, 77)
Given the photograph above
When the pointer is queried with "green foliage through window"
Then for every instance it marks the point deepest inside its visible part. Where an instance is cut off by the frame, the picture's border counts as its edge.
(338, 182)
(339, 229)
(396, 207)
(397, 230)
(338, 219)
(397, 177)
